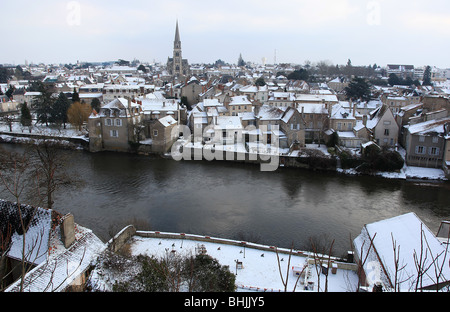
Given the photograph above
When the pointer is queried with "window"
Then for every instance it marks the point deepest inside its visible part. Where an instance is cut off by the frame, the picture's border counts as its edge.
(386, 132)
(114, 134)
(435, 139)
(433, 151)
(339, 126)
(155, 132)
(420, 150)
(119, 122)
(108, 122)
(421, 138)
(387, 123)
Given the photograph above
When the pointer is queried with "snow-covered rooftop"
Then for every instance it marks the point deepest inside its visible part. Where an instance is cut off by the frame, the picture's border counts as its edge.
(412, 241)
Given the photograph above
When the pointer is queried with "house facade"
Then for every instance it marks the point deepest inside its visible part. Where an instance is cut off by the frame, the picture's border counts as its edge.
(161, 134)
(113, 127)
(426, 143)
(384, 127)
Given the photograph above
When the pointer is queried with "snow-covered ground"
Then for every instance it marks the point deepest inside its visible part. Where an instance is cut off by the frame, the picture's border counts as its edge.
(259, 272)
(69, 132)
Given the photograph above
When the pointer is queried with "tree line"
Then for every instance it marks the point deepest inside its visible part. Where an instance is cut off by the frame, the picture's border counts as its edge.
(58, 110)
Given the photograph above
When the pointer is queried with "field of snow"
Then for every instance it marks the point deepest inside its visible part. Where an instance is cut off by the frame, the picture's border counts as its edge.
(259, 270)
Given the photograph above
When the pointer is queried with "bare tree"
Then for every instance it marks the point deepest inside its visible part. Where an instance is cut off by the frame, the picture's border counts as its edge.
(19, 178)
(78, 114)
(396, 283)
(14, 177)
(319, 252)
(49, 163)
(433, 269)
(285, 281)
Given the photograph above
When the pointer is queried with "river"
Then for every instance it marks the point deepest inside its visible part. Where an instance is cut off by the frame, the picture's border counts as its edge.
(237, 201)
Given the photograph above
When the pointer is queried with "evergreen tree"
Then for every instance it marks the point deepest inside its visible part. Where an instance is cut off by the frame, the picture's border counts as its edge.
(10, 92)
(59, 110)
(301, 74)
(44, 103)
(394, 80)
(142, 67)
(358, 89)
(260, 82)
(95, 104)
(427, 76)
(25, 116)
(5, 74)
(19, 72)
(75, 96)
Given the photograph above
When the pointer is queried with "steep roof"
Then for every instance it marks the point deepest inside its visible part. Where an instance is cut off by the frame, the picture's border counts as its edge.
(431, 127)
(410, 236)
(167, 121)
(39, 222)
(269, 113)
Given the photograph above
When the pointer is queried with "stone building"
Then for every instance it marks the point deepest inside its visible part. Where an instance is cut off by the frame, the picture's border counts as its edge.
(114, 127)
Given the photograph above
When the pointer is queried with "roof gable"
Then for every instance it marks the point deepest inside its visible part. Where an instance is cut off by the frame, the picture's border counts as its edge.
(39, 223)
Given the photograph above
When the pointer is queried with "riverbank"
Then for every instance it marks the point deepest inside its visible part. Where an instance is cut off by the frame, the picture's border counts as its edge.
(75, 139)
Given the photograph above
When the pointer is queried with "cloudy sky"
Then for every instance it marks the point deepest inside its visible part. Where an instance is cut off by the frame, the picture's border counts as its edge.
(365, 31)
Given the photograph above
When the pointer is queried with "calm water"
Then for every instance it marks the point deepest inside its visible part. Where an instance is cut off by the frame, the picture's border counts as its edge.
(237, 201)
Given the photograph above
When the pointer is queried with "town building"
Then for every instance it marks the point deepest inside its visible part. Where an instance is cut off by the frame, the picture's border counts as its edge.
(114, 126)
(58, 252)
(426, 143)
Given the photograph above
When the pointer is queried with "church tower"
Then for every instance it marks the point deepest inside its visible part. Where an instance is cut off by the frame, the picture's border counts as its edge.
(177, 66)
(177, 58)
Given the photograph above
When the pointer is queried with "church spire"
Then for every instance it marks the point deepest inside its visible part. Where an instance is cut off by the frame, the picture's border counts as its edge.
(177, 34)
(177, 66)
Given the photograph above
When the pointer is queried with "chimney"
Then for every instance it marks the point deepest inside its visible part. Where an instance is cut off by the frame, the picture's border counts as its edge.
(365, 120)
(68, 230)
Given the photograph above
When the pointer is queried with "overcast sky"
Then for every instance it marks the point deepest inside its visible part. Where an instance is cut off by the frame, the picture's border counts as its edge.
(365, 31)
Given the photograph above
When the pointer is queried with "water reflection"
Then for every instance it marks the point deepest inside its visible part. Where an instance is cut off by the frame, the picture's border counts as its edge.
(233, 200)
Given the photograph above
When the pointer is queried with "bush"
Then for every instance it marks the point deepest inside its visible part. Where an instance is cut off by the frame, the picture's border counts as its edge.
(206, 274)
(375, 159)
(171, 273)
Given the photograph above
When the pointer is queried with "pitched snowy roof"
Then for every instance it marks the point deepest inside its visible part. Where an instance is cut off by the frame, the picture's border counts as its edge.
(341, 112)
(159, 105)
(411, 237)
(240, 100)
(167, 121)
(39, 221)
(312, 108)
(229, 122)
(429, 127)
(269, 113)
(64, 265)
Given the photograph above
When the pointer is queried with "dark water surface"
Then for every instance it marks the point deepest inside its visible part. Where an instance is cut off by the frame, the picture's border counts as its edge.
(237, 201)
